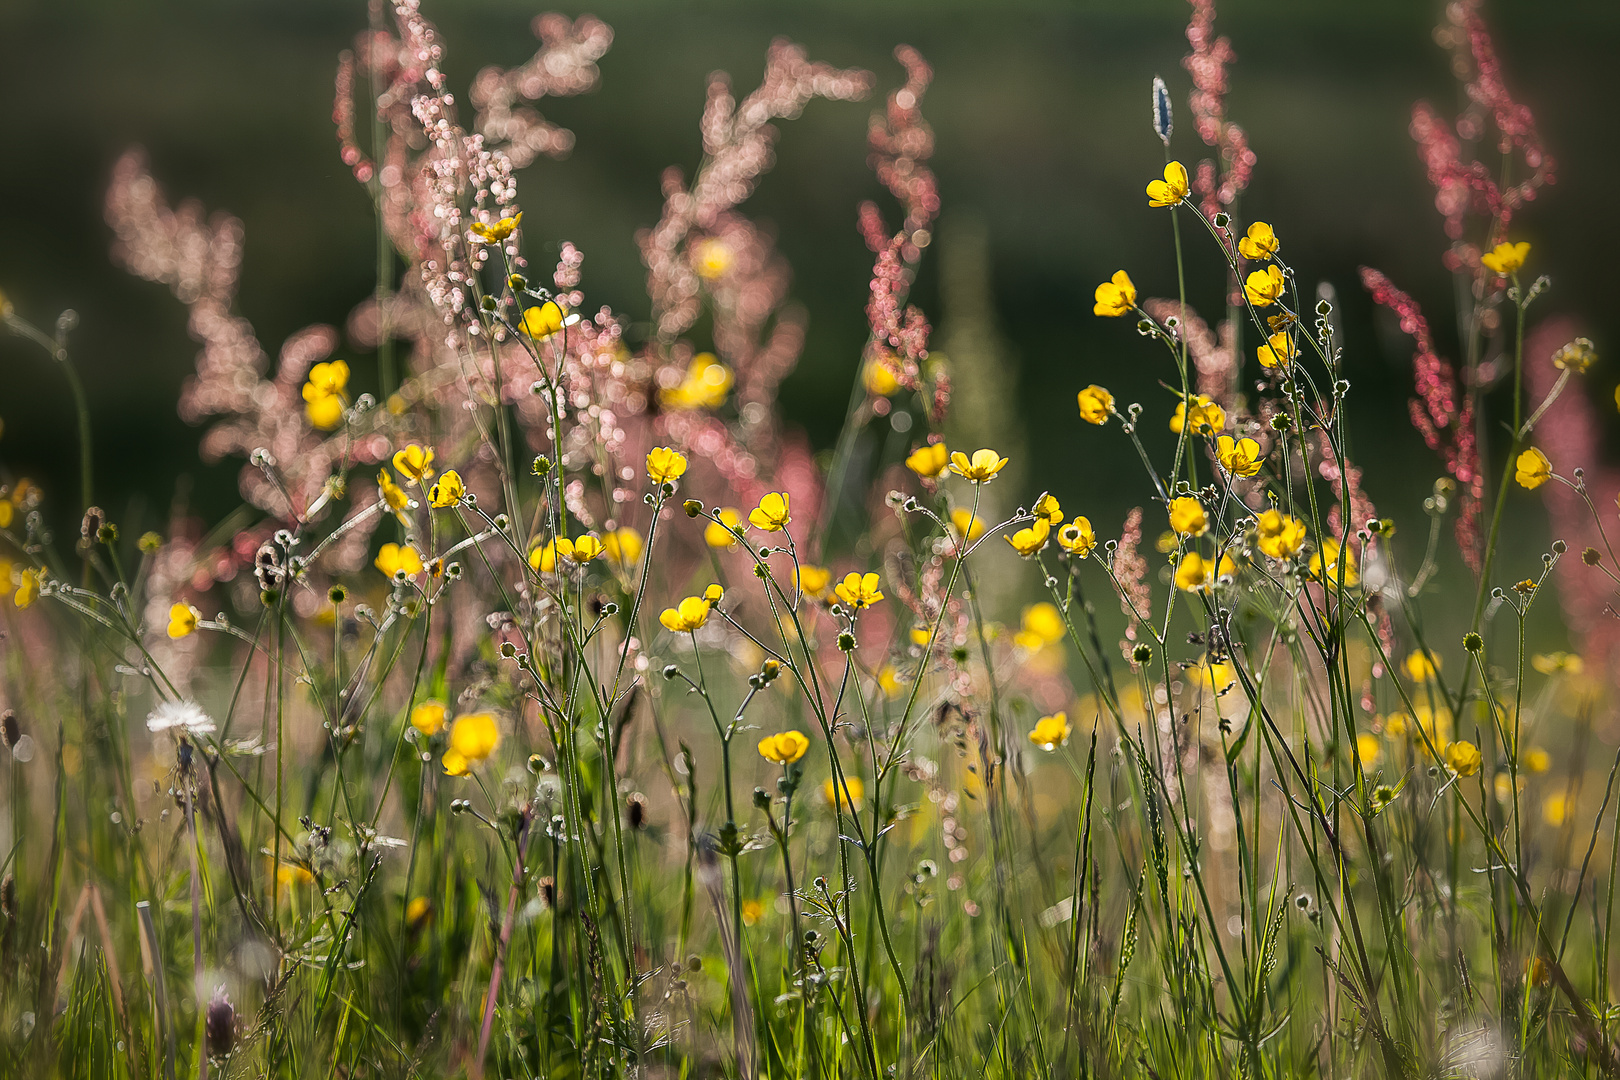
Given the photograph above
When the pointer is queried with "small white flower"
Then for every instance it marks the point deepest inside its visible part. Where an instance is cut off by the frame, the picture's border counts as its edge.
(186, 717)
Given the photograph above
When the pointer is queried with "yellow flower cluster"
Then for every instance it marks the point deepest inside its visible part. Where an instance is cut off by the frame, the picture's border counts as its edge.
(324, 394)
(705, 385)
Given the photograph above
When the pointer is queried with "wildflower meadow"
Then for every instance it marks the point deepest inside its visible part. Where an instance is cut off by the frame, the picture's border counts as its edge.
(553, 707)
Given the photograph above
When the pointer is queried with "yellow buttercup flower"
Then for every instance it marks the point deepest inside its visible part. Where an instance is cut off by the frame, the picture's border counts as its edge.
(1278, 534)
(1264, 287)
(1537, 760)
(415, 462)
(1204, 418)
(1197, 574)
(496, 231)
(1532, 469)
(718, 534)
(323, 394)
(325, 413)
(1077, 537)
(1368, 750)
(396, 557)
(966, 524)
(1259, 244)
(1043, 622)
(920, 635)
(1278, 349)
(1330, 556)
(859, 590)
(1031, 540)
(812, 580)
(1240, 457)
(889, 681)
(581, 549)
(981, 468)
(623, 546)
(713, 593)
(392, 493)
(6, 510)
(772, 512)
(183, 620)
(448, 492)
(1187, 516)
(705, 385)
(1116, 297)
(428, 717)
(929, 461)
(1047, 507)
(1050, 732)
(689, 615)
(1420, 667)
(665, 465)
(543, 321)
(473, 738)
(854, 791)
(1463, 758)
(1506, 259)
(879, 378)
(784, 748)
(1096, 404)
(1172, 189)
(543, 557)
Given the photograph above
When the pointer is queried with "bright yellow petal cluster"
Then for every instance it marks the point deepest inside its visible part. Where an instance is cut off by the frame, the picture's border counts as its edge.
(324, 398)
(543, 321)
(1506, 259)
(494, 232)
(623, 546)
(1077, 537)
(1116, 297)
(1260, 244)
(1329, 556)
(859, 590)
(772, 512)
(396, 557)
(414, 462)
(1240, 457)
(879, 377)
(929, 461)
(665, 465)
(966, 525)
(28, 583)
(705, 385)
(1205, 417)
(784, 748)
(1278, 350)
(1197, 574)
(1420, 667)
(1047, 507)
(1532, 469)
(1187, 516)
(854, 791)
(391, 493)
(1096, 404)
(812, 580)
(1279, 535)
(448, 492)
(1041, 625)
(1264, 287)
(473, 738)
(543, 557)
(981, 468)
(1368, 750)
(689, 615)
(1463, 758)
(1050, 732)
(1029, 541)
(428, 717)
(581, 549)
(1172, 189)
(183, 620)
(719, 534)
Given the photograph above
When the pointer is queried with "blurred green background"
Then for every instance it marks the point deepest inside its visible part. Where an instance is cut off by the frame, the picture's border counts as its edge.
(1040, 113)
